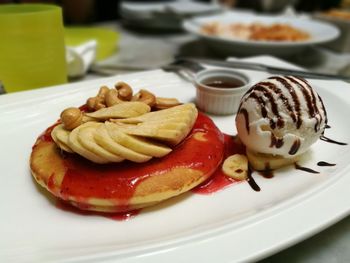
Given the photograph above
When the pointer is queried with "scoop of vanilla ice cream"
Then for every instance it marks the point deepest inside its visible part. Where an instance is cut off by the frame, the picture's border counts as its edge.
(281, 115)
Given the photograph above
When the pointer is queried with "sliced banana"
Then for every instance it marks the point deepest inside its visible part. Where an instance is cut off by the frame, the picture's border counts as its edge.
(102, 138)
(60, 136)
(179, 117)
(160, 125)
(76, 146)
(236, 166)
(137, 144)
(122, 110)
(86, 138)
(188, 109)
(171, 137)
(135, 138)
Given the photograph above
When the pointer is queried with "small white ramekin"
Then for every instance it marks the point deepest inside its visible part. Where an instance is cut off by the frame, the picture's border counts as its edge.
(220, 101)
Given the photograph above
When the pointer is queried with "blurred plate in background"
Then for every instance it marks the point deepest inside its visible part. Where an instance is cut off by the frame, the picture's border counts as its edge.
(162, 16)
(320, 32)
(341, 19)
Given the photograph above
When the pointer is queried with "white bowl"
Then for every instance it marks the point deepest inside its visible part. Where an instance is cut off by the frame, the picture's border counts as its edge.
(220, 101)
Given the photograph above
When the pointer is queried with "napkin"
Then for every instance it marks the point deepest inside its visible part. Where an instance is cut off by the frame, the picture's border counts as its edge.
(80, 58)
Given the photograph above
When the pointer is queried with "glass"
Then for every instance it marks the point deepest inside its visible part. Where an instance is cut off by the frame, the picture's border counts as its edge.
(32, 50)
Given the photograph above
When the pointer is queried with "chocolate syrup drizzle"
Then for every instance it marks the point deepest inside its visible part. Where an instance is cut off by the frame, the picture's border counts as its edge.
(326, 139)
(295, 147)
(310, 99)
(266, 92)
(246, 117)
(305, 169)
(251, 180)
(323, 163)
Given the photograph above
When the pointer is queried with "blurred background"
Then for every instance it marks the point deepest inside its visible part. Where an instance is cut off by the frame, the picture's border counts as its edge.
(135, 35)
(91, 11)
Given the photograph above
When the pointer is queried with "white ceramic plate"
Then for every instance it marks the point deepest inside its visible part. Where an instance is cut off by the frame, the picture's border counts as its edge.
(235, 224)
(320, 32)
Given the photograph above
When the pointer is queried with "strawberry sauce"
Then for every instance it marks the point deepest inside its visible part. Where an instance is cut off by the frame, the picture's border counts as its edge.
(219, 180)
(84, 179)
(120, 216)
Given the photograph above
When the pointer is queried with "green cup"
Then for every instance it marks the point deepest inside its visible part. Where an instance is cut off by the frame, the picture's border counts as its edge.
(32, 50)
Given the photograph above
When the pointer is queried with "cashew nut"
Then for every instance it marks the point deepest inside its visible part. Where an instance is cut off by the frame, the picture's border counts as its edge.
(98, 102)
(145, 96)
(102, 91)
(164, 103)
(95, 103)
(112, 98)
(124, 91)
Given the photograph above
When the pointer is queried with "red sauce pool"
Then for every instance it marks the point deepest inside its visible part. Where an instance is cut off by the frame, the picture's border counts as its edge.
(216, 182)
(85, 179)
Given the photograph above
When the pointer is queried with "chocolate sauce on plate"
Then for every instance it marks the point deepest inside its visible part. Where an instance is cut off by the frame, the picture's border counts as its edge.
(267, 172)
(305, 169)
(322, 163)
(252, 182)
(326, 139)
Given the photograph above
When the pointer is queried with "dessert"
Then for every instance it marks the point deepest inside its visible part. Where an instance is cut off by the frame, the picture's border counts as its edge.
(256, 31)
(123, 151)
(278, 120)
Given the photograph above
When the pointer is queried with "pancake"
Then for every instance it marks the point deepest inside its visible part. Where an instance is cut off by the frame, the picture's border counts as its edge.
(126, 186)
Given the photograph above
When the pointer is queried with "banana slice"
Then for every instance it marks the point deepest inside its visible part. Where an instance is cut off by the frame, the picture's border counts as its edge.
(236, 166)
(86, 139)
(171, 137)
(60, 136)
(160, 125)
(102, 138)
(179, 117)
(137, 144)
(262, 162)
(122, 110)
(76, 146)
(188, 109)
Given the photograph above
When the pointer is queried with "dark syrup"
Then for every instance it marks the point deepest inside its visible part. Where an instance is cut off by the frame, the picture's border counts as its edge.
(305, 169)
(223, 83)
(326, 139)
(267, 173)
(251, 181)
(322, 163)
